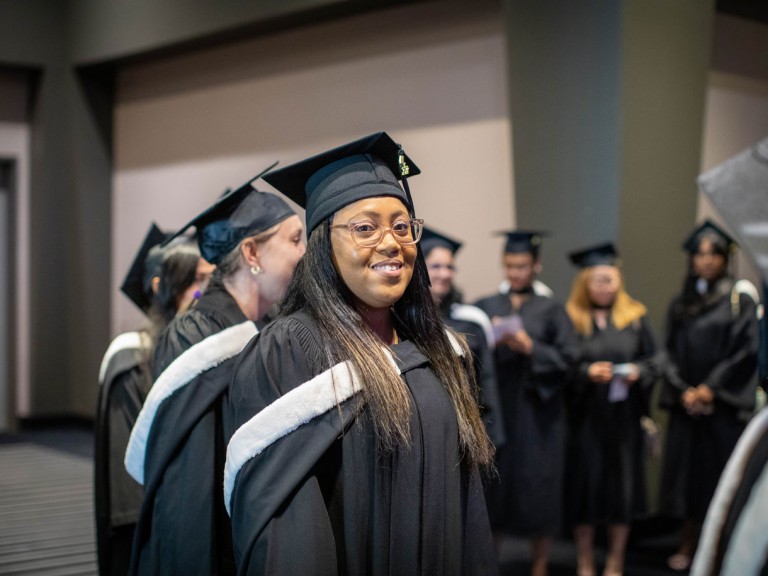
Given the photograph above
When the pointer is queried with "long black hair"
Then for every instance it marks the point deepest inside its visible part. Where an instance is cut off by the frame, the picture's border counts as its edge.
(317, 288)
(177, 273)
(693, 302)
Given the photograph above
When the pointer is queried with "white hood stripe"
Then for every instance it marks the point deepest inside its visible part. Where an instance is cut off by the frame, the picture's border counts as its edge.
(297, 407)
(201, 357)
(473, 314)
(126, 341)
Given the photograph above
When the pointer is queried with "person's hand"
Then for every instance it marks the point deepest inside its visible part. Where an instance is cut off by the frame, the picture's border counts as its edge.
(698, 400)
(600, 372)
(705, 394)
(689, 399)
(634, 374)
(521, 342)
(507, 339)
(706, 398)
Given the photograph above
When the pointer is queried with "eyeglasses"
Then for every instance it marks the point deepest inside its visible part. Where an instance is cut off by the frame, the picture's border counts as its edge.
(369, 234)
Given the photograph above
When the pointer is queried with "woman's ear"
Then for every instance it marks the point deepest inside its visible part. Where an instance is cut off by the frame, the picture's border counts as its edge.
(250, 252)
(155, 284)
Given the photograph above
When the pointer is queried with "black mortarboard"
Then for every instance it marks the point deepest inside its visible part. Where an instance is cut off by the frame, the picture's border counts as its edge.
(600, 255)
(236, 215)
(431, 238)
(738, 188)
(138, 282)
(361, 169)
(709, 229)
(522, 241)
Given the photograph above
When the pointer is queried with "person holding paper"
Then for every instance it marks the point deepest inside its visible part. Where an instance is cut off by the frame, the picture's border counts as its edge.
(607, 399)
(535, 347)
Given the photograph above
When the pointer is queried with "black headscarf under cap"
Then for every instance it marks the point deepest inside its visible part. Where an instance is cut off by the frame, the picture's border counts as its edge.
(138, 282)
(236, 215)
(331, 180)
(599, 255)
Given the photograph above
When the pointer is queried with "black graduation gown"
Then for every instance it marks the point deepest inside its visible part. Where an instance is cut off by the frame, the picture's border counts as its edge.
(320, 499)
(717, 347)
(125, 380)
(469, 321)
(606, 471)
(526, 499)
(183, 527)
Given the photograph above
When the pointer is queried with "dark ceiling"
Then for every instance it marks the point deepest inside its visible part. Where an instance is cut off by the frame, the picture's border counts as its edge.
(752, 9)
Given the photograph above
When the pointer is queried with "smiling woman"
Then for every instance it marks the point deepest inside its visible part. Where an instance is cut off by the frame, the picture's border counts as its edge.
(375, 250)
(360, 425)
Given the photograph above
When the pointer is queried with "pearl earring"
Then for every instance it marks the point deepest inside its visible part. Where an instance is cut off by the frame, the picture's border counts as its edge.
(255, 270)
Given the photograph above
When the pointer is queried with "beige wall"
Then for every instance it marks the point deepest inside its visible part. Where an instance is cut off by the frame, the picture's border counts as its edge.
(736, 118)
(736, 115)
(188, 127)
(15, 146)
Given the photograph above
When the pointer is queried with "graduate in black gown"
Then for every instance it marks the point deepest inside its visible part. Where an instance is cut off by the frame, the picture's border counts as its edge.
(535, 349)
(161, 282)
(734, 537)
(709, 382)
(608, 397)
(440, 255)
(361, 441)
(178, 443)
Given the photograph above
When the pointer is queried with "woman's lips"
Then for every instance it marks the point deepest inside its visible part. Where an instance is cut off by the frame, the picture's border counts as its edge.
(388, 268)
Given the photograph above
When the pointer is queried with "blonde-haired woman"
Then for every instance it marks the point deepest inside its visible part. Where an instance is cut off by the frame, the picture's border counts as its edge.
(608, 398)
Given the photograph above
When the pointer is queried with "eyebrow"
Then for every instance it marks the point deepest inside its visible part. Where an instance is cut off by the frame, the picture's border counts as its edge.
(374, 214)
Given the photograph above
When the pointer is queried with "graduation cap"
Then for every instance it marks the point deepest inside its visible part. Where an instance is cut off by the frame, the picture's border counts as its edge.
(522, 241)
(138, 282)
(599, 255)
(431, 238)
(715, 233)
(237, 214)
(331, 180)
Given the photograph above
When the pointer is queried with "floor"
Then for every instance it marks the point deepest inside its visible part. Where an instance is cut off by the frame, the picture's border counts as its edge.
(646, 555)
(46, 514)
(46, 504)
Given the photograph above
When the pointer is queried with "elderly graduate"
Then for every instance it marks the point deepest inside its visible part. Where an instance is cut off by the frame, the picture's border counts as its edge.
(361, 442)
(178, 444)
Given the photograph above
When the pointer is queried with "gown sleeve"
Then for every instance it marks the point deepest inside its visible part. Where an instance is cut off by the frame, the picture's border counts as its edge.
(733, 379)
(647, 358)
(490, 401)
(557, 355)
(674, 385)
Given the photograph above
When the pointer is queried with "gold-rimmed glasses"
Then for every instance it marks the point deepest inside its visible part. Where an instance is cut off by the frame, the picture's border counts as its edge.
(369, 234)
